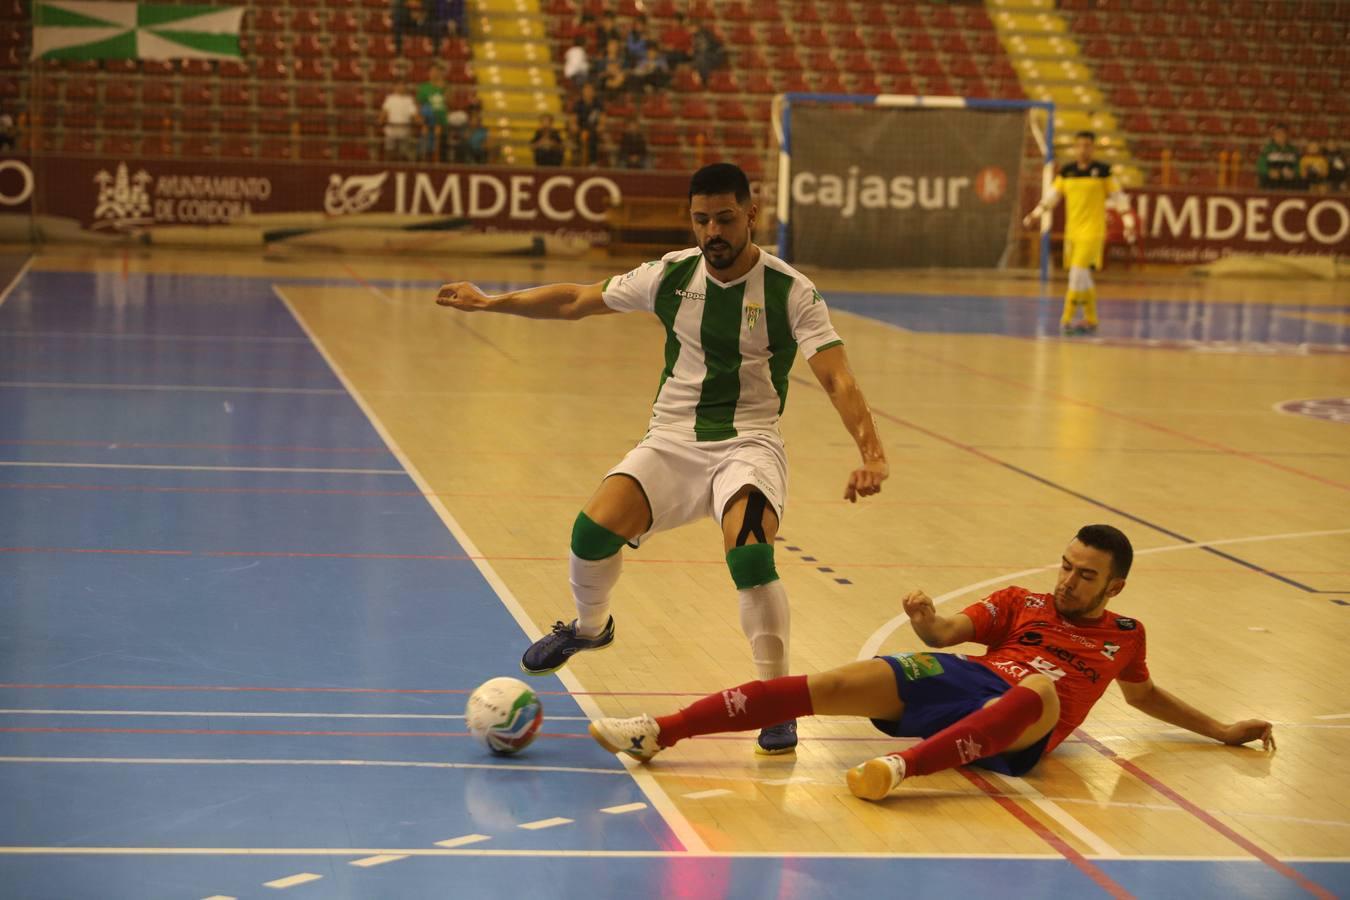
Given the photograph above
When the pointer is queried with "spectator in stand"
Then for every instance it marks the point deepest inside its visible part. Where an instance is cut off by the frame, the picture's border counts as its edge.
(547, 143)
(632, 146)
(9, 134)
(1313, 168)
(607, 30)
(401, 122)
(445, 19)
(1277, 166)
(576, 64)
(1336, 166)
(435, 112)
(409, 17)
(613, 55)
(709, 54)
(615, 81)
(636, 43)
(590, 113)
(652, 73)
(678, 42)
(476, 144)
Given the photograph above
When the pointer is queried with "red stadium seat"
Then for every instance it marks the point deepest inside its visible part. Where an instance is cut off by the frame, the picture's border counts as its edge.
(120, 145)
(759, 82)
(344, 22)
(157, 145)
(197, 93)
(234, 94)
(347, 70)
(311, 96)
(354, 151)
(882, 41)
(274, 95)
(119, 92)
(276, 148)
(308, 45)
(267, 20)
(311, 69)
(155, 92)
(695, 108)
(831, 83)
(822, 61)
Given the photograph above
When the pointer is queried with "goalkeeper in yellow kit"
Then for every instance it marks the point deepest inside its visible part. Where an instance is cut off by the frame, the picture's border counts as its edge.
(1089, 188)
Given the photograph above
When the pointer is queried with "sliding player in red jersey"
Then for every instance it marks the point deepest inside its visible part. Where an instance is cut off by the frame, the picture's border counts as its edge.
(1050, 658)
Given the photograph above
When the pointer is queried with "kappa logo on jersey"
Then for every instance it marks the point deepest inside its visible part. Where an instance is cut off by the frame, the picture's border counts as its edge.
(690, 295)
(1125, 624)
(1031, 639)
(1109, 650)
(1035, 603)
(752, 315)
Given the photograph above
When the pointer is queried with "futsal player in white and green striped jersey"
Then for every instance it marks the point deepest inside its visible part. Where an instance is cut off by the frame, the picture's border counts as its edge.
(735, 317)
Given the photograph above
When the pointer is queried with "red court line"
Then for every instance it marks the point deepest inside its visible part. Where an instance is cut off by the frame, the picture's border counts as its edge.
(1154, 426)
(1081, 862)
(1207, 818)
(138, 445)
(269, 732)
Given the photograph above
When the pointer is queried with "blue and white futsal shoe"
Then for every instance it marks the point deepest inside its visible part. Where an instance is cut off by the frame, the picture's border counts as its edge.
(552, 651)
(778, 739)
(636, 736)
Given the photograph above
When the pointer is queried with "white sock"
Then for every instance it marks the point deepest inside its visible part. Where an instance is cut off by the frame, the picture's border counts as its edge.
(592, 580)
(765, 619)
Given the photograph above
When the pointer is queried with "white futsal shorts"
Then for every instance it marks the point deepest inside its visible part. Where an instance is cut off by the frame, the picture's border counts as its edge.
(685, 480)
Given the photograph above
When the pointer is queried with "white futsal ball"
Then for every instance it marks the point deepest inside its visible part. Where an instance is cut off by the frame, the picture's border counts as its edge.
(504, 714)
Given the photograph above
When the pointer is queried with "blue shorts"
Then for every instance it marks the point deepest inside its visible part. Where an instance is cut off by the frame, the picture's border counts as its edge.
(940, 689)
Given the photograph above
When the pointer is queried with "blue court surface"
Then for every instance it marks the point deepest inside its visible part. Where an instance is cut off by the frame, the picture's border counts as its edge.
(236, 642)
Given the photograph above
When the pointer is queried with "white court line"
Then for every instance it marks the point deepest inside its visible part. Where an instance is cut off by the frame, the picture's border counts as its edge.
(1075, 827)
(220, 897)
(321, 852)
(371, 763)
(198, 388)
(704, 795)
(149, 336)
(204, 714)
(625, 808)
(464, 841)
(380, 860)
(1336, 716)
(675, 819)
(875, 640)
(25, 464)
(18, 276)
(545, 823)
(281, 884)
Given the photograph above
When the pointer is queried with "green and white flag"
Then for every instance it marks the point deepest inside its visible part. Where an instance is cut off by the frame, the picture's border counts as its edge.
(79, 29)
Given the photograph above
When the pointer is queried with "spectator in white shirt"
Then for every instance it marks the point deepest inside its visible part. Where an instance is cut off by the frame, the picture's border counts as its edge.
(576, 64)
(401, 121)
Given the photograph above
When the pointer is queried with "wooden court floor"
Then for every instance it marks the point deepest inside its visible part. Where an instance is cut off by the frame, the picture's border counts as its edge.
(1000, 446)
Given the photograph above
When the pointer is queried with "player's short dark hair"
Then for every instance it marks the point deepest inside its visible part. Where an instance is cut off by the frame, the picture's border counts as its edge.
(1114, 542)
(721, 178)
(1090, 135)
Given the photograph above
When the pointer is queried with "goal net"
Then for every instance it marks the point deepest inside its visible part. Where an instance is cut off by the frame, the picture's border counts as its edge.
(899, 181)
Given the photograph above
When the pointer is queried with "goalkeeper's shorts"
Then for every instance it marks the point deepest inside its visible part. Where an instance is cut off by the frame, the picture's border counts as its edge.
(1084, 254)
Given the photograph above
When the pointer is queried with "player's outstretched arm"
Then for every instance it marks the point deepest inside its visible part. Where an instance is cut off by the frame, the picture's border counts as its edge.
(550, 301)
(1047, 204)
(935, 630)
(832, 371)
(1152, 700)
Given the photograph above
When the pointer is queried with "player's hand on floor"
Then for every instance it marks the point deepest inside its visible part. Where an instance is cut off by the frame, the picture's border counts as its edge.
(919, 607)
(462, 295)
(1240, 733)
(866, 480)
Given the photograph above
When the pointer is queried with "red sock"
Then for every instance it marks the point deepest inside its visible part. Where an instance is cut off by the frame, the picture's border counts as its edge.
(755, 704)
(987, 732)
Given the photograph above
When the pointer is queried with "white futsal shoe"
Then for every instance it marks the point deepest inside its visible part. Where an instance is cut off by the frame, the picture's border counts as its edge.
(876, 778)
(636, 736)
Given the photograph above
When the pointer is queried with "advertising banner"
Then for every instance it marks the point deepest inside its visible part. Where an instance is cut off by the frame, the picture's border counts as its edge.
(881, 188)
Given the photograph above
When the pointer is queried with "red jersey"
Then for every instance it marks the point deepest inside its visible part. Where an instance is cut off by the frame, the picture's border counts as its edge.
(1025, 634)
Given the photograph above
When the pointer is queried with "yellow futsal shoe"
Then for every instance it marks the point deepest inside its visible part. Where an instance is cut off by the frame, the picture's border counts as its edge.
(876, 778)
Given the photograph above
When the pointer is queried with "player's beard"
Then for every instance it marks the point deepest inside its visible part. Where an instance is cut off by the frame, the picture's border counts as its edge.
(727, 258)
(1082, 612)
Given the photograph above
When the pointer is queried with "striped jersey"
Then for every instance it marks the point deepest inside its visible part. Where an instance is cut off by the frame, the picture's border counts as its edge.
(1085, 191)
(729, 346)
